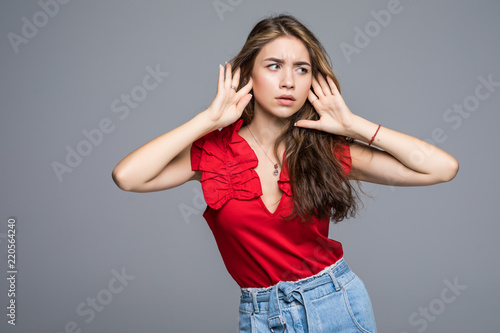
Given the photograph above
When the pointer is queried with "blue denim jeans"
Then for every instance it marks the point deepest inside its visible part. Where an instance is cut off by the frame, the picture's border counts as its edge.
(333, 300)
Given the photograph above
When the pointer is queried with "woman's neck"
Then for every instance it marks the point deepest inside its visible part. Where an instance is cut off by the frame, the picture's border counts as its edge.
(266, 128)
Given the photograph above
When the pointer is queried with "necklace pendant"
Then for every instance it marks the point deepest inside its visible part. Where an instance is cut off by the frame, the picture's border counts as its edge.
(275, 172)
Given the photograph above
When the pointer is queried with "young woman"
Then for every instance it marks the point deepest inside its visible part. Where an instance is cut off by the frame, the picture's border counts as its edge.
(275, 152)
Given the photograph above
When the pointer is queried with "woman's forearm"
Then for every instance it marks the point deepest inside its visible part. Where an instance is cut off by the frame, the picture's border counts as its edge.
(146, 162)
(414, 153)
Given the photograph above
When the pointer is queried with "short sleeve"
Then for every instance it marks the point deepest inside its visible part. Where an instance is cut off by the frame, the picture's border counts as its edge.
(196, 153)
(197, 149)
(343, 153)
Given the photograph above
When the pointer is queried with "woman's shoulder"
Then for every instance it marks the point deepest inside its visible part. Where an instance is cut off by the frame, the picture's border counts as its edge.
(223, 148)
(221, 137)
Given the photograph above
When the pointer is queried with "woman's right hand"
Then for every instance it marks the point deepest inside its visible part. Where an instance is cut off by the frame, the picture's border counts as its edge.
(228, 105)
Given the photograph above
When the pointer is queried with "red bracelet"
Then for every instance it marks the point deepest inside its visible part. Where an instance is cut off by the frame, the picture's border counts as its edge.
(373, 138)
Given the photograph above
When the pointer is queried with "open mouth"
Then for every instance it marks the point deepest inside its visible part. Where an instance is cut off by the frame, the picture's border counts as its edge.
(286, 99)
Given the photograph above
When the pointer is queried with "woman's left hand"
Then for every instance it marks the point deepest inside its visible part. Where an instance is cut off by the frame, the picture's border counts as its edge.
(335, 116)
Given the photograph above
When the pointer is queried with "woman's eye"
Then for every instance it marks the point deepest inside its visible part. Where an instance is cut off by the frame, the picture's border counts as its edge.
(302, 70)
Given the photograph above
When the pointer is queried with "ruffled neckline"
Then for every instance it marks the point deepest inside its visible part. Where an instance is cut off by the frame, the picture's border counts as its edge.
(236, 138)
(228, 164)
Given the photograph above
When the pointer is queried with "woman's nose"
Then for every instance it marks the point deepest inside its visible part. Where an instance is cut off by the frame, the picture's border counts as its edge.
(287, 79)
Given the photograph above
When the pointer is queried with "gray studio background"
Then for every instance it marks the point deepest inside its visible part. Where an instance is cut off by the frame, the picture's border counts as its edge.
(76, 231)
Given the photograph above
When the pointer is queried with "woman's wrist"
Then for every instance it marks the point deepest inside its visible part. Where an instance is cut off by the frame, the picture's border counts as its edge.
(363, 130)
(207, 123)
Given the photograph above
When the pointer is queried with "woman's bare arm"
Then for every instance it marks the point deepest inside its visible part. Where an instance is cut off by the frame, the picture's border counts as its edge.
(167, 155)
(165, 162)
(404, 161)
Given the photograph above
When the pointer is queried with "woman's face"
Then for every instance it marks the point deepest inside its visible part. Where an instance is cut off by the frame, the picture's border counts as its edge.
(282, 67)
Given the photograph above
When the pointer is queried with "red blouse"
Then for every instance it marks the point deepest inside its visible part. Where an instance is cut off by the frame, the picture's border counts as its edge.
(257, 247)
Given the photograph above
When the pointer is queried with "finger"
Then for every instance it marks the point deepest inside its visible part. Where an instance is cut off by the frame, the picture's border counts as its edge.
(236, 78)
(307, 123)
(333, 86)
(324, 85)
(227, 83)
(243, 102)
(220, 83)
(317, 88)
(312, 97)
(245, 89)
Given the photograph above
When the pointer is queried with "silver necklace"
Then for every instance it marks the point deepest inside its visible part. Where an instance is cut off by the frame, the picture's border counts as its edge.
(275, 172)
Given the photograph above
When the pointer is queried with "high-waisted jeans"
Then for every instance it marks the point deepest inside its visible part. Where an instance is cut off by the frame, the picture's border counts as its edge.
(333, 300)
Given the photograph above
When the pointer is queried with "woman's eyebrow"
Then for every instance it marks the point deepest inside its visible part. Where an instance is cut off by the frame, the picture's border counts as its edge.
(281, 61)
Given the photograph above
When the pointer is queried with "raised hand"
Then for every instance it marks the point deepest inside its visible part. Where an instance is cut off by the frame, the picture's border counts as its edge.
(335, 116)
(228, 105)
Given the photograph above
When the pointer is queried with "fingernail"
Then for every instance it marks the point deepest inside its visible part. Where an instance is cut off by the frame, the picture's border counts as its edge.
(295, 124)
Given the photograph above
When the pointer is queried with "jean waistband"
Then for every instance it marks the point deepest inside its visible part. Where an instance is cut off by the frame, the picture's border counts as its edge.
(289, 290)
(340, 267)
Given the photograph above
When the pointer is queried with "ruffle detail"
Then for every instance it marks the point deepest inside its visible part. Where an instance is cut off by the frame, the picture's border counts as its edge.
(284, 180)
(228, 164)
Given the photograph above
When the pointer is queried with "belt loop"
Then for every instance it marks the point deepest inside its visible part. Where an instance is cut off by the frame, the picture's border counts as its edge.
(334, 279)
(255, 305)
(275, 316)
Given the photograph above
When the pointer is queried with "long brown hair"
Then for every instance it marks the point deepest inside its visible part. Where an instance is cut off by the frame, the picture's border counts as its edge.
(319, 185)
